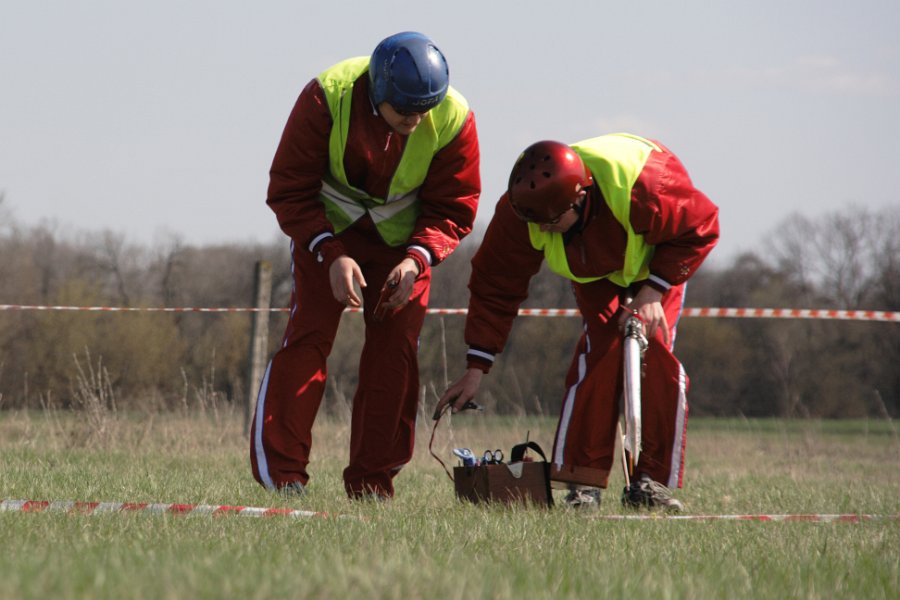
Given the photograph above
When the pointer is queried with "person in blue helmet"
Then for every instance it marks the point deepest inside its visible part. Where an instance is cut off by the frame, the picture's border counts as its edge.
(375, 181)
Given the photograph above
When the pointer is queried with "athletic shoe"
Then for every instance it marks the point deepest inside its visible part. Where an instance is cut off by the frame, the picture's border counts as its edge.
(647, 493)
(292, 489)
(583, 497)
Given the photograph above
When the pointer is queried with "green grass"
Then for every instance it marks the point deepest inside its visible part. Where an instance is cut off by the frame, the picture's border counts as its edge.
(425, 543)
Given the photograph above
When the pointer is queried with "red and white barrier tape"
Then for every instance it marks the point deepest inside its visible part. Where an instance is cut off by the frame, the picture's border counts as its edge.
(98, 508)
(741, 313)
(809, 518)
(135, 309)
(793, 313)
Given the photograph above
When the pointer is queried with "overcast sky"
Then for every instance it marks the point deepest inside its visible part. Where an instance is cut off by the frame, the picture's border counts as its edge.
(160, 118)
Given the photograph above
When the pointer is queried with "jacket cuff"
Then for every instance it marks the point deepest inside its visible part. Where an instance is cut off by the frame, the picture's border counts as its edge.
(658, 283)
(421, 256)
(328, 251)
(479, 359)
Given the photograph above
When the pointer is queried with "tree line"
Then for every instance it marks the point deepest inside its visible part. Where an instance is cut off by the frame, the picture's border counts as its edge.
(750, 367)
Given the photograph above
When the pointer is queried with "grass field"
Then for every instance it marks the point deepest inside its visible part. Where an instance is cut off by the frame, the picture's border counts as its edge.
(425, 543)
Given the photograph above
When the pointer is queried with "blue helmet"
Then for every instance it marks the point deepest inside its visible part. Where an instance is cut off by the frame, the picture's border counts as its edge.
(408, 72)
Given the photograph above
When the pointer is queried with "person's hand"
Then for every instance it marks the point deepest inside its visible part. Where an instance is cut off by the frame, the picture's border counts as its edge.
(344, 272)
(647, 306)
(462, 391)
(404, 276)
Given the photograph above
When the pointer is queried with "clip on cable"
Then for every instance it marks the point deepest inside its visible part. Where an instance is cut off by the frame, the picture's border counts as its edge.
(437, 419)
(381, 311)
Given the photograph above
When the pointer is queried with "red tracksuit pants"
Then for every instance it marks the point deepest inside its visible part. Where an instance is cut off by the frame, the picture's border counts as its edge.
(386, 399)
(587, 430)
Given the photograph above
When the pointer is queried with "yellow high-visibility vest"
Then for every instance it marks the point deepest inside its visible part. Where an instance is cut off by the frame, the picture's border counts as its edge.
(394, 216)
(616, 160)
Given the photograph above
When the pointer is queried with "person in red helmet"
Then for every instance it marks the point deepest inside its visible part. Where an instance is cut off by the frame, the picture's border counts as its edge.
(376, 180)
(619, 217)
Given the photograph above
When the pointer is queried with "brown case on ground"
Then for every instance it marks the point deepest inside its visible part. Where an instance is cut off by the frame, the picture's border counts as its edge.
(508, 483)
(518, 481)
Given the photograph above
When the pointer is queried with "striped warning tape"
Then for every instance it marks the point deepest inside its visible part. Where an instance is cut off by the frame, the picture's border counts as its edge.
(165, 309)
(97, 508)
(741, 313)
(793, 313)
(811, 518)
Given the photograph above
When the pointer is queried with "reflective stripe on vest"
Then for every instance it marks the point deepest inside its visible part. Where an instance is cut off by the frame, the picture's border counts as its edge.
(394, 216)
(616, 161)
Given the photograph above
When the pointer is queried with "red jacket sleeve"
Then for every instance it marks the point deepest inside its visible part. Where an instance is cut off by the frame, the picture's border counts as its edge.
(675, 217)
(449, 195)
(300, 162)
(501, 271)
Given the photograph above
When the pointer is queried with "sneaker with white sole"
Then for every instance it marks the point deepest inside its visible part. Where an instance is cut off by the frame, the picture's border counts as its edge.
(583, 497)
(646, 493)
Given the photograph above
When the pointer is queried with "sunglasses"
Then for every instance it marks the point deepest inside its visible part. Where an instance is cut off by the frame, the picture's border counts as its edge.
(409, 113)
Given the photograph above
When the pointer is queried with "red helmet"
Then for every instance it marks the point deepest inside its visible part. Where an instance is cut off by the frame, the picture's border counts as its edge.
(546, 180)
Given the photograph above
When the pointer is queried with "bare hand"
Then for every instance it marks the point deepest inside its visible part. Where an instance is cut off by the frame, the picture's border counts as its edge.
(404, 275)
(461, 392)
(647, 305)
(344, 272)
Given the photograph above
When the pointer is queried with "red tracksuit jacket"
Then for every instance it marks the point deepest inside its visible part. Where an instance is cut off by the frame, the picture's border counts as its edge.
(449, 195)
(682, 224)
